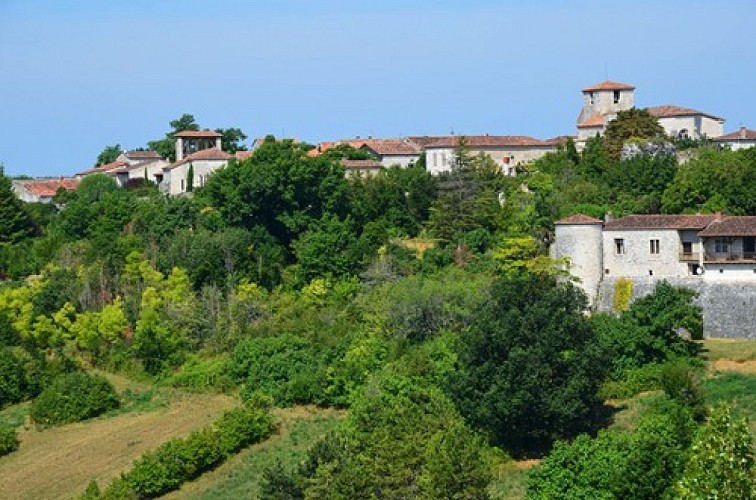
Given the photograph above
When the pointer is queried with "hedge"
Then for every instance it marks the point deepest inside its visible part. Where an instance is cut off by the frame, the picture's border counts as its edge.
(73, 397)
(180, 460)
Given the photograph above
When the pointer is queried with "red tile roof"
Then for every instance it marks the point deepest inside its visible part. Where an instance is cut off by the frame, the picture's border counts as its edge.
(105, 168)
(142, 155)
(608, 85)
(243, 155)
(591, 122)
(731, 226)
(481, 141)
(697, 222)
(47, 188)
(670, 111)
(360, 164)
(197, 133)
(579, 220)
(205, 154)
(382, 147)
(743, 134)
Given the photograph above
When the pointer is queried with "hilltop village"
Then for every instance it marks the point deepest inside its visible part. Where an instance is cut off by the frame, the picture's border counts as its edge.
(477, 316)
(200, 152)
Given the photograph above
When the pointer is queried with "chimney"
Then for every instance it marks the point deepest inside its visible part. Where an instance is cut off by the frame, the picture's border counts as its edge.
(718, 216)
(742, 132)
(609, 216)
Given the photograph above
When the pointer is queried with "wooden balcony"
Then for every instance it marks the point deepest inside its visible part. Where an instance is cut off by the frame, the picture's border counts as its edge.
(731, 258)
(689, 256)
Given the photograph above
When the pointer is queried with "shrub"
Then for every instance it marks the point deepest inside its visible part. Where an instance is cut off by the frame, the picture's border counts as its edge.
(8, 440)
(202, 374)
(623, 292)
(180, 460)
(721, 463)
(280, 366)
(73, 397)
(12, 377)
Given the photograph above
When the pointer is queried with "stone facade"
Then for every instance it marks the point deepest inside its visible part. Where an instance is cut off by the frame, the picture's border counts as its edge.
(714, 255)
(729, 308)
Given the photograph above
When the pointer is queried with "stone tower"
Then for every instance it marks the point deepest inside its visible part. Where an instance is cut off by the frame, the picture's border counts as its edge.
(579, 239)
(601, 103)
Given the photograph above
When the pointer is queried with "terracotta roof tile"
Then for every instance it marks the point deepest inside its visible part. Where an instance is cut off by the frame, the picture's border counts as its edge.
(382, 147)
(697, 222)
(205, 154)
(243, 155)
(731, 226)
(478, 141)
(359, 164)
(105, 168)
(579, 219)
(142, 155)
(48, 187)
(592, 121)
(608, 85)
(197, 133)
(670, 111)
(743, 134)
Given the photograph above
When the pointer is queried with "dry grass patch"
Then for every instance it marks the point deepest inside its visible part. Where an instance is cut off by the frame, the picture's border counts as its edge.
(60, 462)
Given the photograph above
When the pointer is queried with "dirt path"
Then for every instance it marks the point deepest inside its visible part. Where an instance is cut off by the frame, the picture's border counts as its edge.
(60, 462)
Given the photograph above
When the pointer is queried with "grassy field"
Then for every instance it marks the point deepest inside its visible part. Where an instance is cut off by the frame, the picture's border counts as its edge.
(239, 477)
(59, 462)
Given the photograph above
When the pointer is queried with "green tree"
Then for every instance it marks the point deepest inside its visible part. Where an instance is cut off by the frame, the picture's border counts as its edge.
(166, 147)
(109, 154)
(714, 181)
(15, 224)
(232, 139)
(721, 463)
(529, 364)
(190, 178)
(631, 124)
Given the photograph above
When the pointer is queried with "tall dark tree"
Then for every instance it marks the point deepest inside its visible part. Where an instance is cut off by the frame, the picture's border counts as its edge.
(529, 365)
(15, 224)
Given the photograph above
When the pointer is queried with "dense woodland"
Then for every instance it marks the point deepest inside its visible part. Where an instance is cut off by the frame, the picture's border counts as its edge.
(425, 306)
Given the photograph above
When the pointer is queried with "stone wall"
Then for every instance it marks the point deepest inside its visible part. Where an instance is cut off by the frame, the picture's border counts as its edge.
(729, 308)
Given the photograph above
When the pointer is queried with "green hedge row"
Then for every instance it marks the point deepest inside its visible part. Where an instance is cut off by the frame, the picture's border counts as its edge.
(73, 397)
(181, 460)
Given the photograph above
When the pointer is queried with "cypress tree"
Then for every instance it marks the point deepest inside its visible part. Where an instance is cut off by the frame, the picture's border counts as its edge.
(14, 221)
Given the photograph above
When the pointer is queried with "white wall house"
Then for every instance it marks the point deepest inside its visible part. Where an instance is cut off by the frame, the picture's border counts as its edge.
(687, 123)
(42, 190)
(201, 165)
(507, 151)
(742, 139)
(709, 247)
(388, 152)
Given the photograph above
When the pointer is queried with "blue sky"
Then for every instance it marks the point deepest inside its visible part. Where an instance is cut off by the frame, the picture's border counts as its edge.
(77, 75)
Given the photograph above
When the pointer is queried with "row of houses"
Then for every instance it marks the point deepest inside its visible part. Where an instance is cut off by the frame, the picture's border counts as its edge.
(200, 153)
(711, 247)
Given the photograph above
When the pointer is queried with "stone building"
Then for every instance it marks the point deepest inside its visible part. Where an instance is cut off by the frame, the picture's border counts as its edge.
(706, 247)
(687, 123)
(742, 139)
(601, 103)
(42, 190)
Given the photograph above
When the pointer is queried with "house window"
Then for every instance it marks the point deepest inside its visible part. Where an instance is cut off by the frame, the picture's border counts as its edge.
(619, 246)
(445, 159)
(655, 247)
(182, 184)
(616, 96)
(590, 96)
(687, 247)
(435, 159)
(722, 245)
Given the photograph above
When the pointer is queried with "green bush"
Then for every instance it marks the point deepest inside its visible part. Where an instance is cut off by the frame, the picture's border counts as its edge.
(286, 367)
(629, 465)
(73, 397)
(8, 440)
(623, 292)
(181, 460)
(12, 377)
(201, 374)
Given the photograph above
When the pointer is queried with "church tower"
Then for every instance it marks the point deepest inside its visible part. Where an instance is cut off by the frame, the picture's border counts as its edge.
(601, 103)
